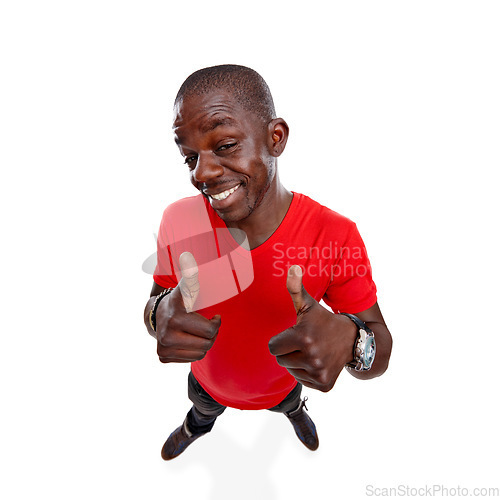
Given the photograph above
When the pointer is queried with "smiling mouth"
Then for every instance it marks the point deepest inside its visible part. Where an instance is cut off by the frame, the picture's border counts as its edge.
(224, 194)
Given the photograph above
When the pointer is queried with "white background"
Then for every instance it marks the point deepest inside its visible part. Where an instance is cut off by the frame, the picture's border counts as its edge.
(394, 113)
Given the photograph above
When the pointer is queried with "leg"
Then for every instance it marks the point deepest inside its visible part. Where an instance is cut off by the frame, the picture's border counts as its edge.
(291, 402)
(304, 427)
(199, 420)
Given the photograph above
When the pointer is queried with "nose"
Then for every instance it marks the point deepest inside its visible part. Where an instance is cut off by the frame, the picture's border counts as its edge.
(207, 168)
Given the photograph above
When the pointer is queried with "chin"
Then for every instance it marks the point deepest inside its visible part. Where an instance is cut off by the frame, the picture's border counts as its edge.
(229, 216)
(233, 217)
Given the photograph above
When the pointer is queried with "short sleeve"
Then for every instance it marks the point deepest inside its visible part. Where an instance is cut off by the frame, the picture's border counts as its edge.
(185, 227)
(352, 289)
(164, 274)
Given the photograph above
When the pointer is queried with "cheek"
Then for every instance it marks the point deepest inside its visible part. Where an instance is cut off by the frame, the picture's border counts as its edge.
(258, 174)
(194, 182)
(265, 171)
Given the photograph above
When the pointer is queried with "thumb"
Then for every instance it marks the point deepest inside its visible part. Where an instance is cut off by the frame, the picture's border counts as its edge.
(296, 289)
(189, 284)
(216, 321)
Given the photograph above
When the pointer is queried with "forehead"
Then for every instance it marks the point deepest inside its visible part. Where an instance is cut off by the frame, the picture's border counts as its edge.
(206, 112)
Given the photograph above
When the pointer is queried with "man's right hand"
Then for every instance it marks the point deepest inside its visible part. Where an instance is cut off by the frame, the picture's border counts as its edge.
(184, 336)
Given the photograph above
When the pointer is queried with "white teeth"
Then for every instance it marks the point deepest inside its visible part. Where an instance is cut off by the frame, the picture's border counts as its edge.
(224, 194)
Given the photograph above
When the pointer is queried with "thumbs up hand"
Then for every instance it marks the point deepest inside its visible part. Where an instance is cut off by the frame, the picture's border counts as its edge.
(318, 346)
(184, 336)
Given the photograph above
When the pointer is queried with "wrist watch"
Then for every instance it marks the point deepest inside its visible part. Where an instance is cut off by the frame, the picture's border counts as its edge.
(364, 346)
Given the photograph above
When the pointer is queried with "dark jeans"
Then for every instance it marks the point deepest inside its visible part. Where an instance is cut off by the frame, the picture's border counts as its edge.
(205, 410)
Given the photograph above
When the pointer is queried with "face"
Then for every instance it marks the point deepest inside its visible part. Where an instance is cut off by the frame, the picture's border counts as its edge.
(227, 152)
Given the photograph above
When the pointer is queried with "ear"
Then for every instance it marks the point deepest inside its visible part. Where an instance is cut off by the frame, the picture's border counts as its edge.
(277, 136)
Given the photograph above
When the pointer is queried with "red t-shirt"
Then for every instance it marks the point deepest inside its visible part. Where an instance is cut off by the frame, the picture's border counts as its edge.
(248, 288)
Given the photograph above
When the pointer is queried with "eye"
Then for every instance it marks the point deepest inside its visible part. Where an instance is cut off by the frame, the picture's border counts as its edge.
(190, 159)
(225, 147)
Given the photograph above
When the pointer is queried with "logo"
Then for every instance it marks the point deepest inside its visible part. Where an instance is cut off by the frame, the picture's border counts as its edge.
(222, 254)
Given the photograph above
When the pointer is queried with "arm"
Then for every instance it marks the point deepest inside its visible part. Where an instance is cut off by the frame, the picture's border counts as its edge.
(321, 343)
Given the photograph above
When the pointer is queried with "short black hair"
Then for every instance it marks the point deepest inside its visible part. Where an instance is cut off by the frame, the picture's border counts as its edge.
(248, 87)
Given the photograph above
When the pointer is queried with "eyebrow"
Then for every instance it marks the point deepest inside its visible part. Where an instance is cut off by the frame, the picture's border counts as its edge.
(215, 122)
(211, 124)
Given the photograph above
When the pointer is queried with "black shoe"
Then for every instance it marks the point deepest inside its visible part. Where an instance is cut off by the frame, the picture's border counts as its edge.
(178, 441)
(304, 426)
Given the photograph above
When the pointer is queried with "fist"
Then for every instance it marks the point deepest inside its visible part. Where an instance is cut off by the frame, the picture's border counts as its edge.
(184, 336)
(318, 346)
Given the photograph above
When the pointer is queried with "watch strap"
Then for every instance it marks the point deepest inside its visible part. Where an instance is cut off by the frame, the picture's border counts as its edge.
(357, 362)
(360, 324)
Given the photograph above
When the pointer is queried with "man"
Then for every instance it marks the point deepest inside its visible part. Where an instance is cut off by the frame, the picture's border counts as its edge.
(242, 266)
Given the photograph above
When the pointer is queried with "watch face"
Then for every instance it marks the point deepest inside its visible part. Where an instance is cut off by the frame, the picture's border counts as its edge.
(369, 353)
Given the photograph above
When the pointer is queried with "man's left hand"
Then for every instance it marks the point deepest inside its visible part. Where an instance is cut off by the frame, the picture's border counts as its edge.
(318, 346)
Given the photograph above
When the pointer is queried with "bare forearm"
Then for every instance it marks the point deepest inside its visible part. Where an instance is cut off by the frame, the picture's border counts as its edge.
(383, 342)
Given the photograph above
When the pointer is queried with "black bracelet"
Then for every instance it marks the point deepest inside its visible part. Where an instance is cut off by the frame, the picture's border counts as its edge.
(152, 314)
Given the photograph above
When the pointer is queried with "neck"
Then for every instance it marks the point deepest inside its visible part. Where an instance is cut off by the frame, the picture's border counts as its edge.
(266, 218)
